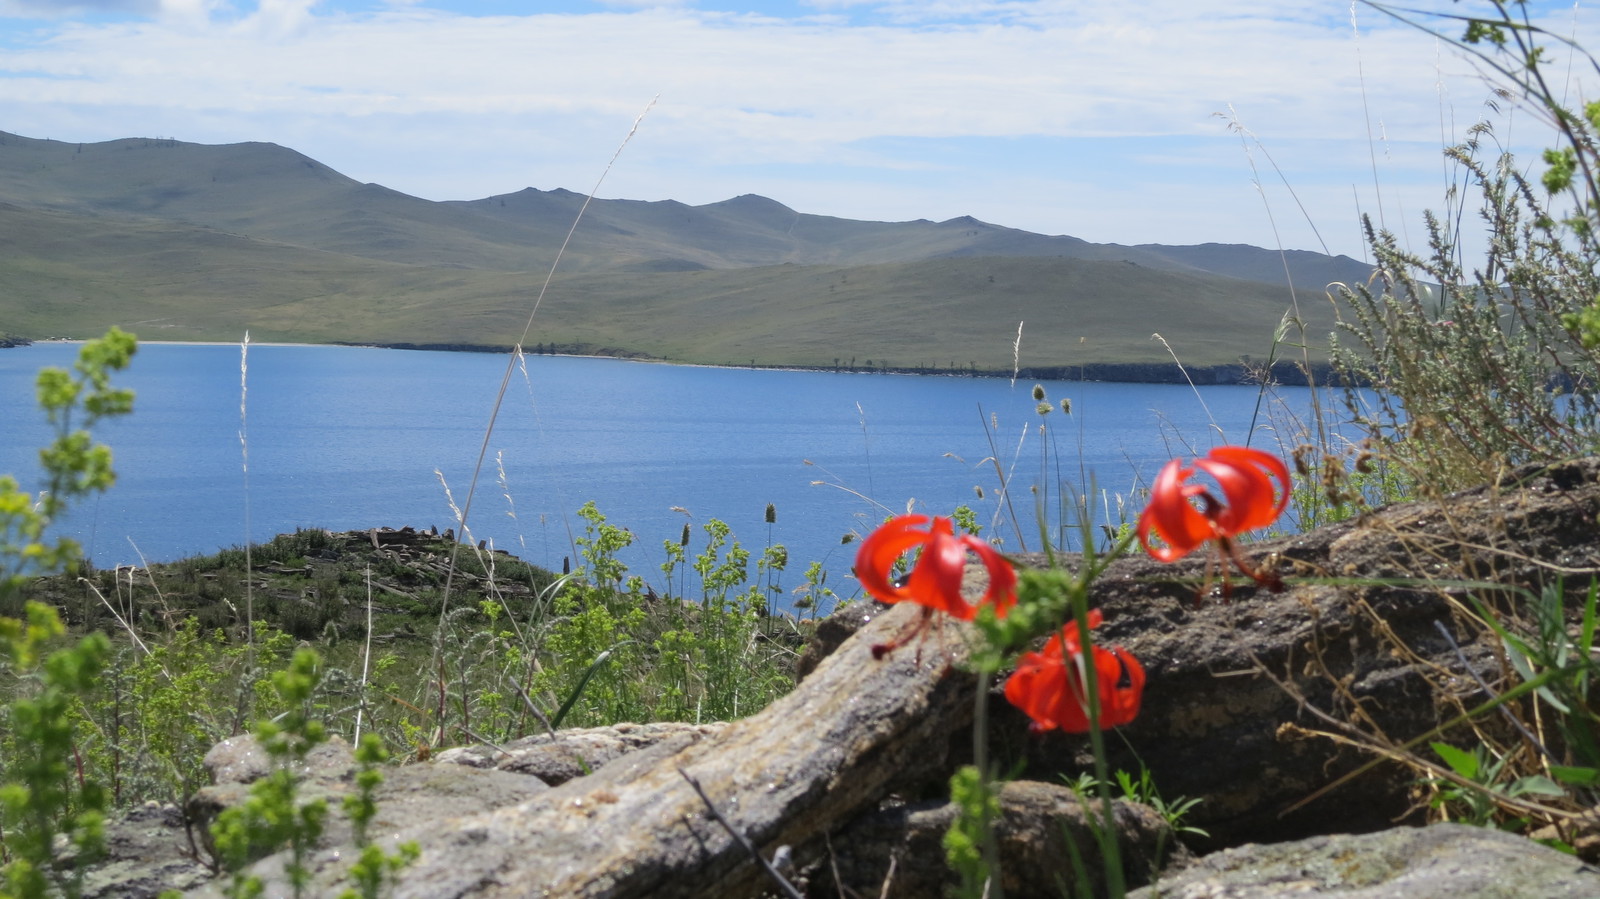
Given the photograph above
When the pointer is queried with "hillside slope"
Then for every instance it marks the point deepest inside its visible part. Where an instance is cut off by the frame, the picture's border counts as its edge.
(194, 242)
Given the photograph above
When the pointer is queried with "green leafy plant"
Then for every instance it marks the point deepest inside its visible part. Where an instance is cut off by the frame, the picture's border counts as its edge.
(1143, 790)
(1475, 370)
(1490, 784)
(273, 815)
(373, 868)
(969, 843)
(74, 466)
(45, 792)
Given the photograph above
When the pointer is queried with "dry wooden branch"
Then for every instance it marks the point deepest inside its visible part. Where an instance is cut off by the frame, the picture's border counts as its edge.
(786, 776)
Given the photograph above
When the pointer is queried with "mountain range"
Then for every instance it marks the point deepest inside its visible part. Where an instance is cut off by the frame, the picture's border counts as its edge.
(184, 241)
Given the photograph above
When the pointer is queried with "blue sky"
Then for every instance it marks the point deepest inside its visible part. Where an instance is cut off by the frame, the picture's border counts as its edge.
(1144, 121)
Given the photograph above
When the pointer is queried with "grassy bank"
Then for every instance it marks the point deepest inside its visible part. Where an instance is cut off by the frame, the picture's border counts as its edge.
(424, 657)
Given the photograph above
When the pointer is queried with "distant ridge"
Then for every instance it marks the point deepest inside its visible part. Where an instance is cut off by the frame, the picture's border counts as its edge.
(192, 241)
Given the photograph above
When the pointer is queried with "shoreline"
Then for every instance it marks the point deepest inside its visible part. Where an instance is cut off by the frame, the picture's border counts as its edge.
(1243, 372)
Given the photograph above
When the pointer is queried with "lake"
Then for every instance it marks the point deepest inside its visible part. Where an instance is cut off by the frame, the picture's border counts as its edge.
(351, 438)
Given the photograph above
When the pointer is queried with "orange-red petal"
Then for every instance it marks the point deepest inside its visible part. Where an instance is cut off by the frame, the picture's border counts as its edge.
(1255, 489)
(936, 578)
(1048, 685)
(1171, 518)
(1250, 499)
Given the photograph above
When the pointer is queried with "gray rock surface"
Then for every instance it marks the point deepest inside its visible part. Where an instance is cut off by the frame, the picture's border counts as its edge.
(575, 752)
(897, 852)
(1445, 861)
(410, 796)
(147, 852)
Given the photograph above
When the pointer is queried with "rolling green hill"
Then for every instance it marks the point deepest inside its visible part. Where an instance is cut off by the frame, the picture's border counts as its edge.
(191, 242)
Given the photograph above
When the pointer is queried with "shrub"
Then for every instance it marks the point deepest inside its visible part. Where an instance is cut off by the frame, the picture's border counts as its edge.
(1476, 370)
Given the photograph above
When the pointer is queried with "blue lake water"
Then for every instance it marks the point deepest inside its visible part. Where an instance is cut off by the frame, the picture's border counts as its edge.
(350, 438)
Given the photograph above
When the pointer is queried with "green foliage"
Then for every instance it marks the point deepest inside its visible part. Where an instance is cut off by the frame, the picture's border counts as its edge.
(1558, 660)
(621, 652)
(977, 805)
(966, 520)
(598, 645)
(74, 465)
(43, 795)
(814, 595)
(1475, 371)
(273, 816)
(1142, 789)
(373, 868)
(44, 792)
(1489, 783)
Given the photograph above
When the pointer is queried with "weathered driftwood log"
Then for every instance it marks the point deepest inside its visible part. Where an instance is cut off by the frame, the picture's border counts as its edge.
(803, 766)
(786, 776)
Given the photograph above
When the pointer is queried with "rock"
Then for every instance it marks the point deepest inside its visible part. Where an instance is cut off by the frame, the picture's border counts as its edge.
(242, 760)
(1445, 861)
(409, 793)
(147, 852)
(898, 851)
(1238, 688)
(575, 752)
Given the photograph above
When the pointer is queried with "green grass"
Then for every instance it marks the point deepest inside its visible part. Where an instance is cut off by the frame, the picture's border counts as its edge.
(513, 648)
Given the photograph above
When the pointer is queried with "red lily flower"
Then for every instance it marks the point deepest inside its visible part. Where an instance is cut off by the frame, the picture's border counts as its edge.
(1051, 689)
(935, 579)
(1249, 501)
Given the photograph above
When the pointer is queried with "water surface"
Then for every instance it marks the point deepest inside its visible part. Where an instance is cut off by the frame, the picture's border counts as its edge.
(348, 438)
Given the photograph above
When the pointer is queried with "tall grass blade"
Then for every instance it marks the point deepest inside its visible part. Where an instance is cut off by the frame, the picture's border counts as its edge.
(583, 683)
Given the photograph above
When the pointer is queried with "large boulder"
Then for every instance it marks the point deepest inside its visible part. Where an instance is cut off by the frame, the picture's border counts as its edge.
(1256, 701)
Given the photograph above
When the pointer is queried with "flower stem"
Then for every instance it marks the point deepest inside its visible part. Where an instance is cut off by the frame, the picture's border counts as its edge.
(980, 760)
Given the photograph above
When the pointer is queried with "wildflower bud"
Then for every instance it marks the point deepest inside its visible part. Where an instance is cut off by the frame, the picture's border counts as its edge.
(772, 513)
(1301, 453)
(684, 539)
(978, 490)
(1038, 392)
(1364, 462)
(1044, 408)
(1066, 407)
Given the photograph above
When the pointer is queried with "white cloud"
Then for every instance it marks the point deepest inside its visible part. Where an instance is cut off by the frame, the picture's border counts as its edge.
(60, 9)
(825, 116)
(641, 4)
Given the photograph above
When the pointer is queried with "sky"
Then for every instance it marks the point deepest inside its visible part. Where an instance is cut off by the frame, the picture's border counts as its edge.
(1269, 122)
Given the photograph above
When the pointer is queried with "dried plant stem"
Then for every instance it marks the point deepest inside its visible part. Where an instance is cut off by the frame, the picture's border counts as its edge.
(244, 456)
(366, 657)
(511, 366)
(744, 841)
